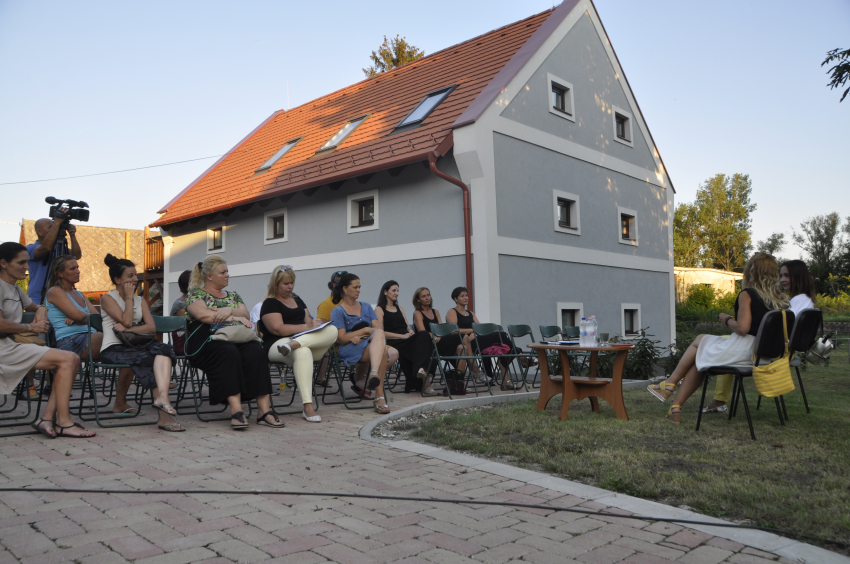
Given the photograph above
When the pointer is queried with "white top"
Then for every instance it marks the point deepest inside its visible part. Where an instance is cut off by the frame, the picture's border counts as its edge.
(801, 302)
(255, 313)
(109, 337)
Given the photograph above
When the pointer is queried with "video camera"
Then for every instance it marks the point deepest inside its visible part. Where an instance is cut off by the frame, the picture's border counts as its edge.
(75, 214)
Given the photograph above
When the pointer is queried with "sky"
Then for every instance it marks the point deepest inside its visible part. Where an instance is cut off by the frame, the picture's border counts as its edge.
(90, 87)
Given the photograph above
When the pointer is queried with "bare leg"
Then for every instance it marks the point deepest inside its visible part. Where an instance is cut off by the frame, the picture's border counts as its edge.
(691, 383)
(162, 374)
(66, 365)
(687, 362)
(235, 403)
(96, 342)
(125, 378)
(461, 364)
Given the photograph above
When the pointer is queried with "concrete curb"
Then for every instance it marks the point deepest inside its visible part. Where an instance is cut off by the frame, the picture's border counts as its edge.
(761, 540)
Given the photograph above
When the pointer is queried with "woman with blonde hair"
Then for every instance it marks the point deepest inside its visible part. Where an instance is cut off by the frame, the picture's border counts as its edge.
(236, 371)
(761, 293)
(284, 318)
(68, 309)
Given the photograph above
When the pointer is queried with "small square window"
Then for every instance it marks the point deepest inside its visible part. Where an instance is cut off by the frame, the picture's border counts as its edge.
(560, 97)
(216, 234)
(276, 229)
(363, 209)
(630, 320)
(567, 217)
(569, 314)
(627, 226)
(622, 126)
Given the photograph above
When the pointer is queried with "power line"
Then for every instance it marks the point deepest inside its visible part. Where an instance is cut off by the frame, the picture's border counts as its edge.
(102, 173)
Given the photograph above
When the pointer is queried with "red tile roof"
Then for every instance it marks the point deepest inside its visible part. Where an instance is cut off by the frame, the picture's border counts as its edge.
(471, 65)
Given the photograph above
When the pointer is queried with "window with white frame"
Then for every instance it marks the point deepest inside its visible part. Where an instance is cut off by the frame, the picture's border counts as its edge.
(629, 320)
(567, 217)
(622, 126)
(569, 313)
(216, 233)
(276, 226)
(627, 226)
(561, 101)
(363, 211)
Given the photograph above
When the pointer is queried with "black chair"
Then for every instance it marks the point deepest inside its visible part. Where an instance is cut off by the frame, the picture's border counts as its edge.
(526, 359)
(803, 336)
(769, 344)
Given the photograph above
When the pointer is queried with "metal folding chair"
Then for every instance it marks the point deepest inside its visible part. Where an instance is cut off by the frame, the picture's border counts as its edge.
(11, 414)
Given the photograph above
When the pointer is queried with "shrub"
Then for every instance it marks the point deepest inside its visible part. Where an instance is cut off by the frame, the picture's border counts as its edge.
(700, 296)
(838, 304)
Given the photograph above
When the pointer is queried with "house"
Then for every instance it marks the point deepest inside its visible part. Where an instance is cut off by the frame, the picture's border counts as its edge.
(722, 281)
(517, 163)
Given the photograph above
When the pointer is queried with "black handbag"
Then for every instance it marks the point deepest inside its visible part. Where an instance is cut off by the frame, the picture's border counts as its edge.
(134, 340)
(455, 383)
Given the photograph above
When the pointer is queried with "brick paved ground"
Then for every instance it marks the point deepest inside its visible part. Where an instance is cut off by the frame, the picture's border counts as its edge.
(304, 457)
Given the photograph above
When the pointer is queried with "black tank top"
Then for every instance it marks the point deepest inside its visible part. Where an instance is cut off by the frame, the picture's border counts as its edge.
(463, 321)
(757, 308)
(394, 322)
(426, 321)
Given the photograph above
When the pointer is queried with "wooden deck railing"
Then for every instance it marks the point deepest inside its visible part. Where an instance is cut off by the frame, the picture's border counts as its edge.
(154, 252)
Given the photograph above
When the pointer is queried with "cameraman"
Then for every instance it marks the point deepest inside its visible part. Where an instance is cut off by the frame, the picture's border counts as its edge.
(47, 230)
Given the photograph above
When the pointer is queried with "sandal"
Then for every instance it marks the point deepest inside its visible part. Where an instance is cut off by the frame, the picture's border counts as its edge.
(242, 425)
(662, 390)
(373, 382)
(172, 427)
(39, 426)
(274, 424)
(382, 409)
(166, 408)
(430, 392)
(61, 431)
(284, 349)
(362, 393)
(507, 386)
(674, 417)
(719, 409)
(421, 374)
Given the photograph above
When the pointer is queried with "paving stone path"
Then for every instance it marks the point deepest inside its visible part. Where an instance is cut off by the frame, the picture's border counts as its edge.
(327, 457)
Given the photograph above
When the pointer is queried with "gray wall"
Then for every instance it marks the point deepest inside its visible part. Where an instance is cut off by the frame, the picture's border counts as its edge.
(581, 59)
(525, 177)
(531, 289)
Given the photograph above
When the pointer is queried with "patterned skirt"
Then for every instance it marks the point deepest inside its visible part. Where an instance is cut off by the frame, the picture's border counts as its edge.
(74, 343)
(140, 360)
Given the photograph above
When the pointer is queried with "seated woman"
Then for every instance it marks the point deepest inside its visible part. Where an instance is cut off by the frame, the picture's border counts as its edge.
(796, 282)
(178, 309)
(68, 310)
(236, 372)
(464, 319)
(424, 315)
(361, 340)
(414, 349)
(283, 315)
(123, 310)
(17, 359)
(761, 293)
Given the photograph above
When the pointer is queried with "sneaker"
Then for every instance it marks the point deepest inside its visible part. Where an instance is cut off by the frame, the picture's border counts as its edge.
(29, 393)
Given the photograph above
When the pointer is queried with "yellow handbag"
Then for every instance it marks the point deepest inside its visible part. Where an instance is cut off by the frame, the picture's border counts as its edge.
(774, 379)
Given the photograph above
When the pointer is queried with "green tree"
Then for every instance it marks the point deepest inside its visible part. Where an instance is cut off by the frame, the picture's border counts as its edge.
(822, 239)
(840, 73)
(392, 54)
(688, 244)
(772, 244)
(723, 215)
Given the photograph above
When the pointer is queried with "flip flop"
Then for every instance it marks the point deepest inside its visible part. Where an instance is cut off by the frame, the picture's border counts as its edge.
(373, 382)
(242, 425)
(164, 408)
(61, 431)
(38, 427)
(171, 427)
(275, 423)
(127, 413)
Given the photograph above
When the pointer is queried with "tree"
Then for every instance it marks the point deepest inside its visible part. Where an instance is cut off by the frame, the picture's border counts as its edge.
(772, 245)
(392, 54)
(840, 73)
(688, 247)
(723, 215)
(822, 240)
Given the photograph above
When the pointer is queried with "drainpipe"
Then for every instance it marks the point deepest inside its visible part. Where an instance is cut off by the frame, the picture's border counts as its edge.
(467, 237)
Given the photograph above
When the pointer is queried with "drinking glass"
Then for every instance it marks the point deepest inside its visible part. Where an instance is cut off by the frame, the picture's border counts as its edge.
(603, 338)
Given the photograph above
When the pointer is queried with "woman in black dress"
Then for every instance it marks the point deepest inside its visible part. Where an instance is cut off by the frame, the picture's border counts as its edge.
(423, 316)
(414, 349)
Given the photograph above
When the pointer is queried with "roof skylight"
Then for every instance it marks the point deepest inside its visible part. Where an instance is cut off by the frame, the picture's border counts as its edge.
(277, 156)
(343, 133)
(426, 106)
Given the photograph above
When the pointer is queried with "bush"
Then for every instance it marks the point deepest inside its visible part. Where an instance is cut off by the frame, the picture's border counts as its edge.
(838, 304)
(700, 296)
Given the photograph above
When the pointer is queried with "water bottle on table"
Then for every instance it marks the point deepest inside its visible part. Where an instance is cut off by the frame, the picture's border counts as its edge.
(582, 339)
(591, 331)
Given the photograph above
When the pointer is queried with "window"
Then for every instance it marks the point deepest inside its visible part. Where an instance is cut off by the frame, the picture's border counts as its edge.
(276, 226)
(622, 126)
(630, 320)
(363, 211)
(215, 238)
(277, 156)
(567, 216)
(627, 227)
(569, 314)
(424, 108)
(342, 134)
(560, 97)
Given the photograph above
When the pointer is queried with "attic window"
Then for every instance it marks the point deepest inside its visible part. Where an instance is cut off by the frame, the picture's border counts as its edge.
(277, 156)
(425, 107)
(343, 133)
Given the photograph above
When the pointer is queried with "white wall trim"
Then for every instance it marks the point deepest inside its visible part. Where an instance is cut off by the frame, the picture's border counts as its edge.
(623, 308)
(633, 228)
(570, 98)
(575, 212)
(343, 259)
(557, 144)
(210, 227)
(568, 305)
(167, 242)
(351, 211)
(563, 253)
(268, 226)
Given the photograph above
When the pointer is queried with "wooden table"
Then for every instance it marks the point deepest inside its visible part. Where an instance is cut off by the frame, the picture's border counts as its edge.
(580, 387)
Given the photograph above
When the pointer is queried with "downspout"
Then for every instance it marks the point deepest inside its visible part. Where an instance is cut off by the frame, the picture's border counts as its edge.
(467, 237)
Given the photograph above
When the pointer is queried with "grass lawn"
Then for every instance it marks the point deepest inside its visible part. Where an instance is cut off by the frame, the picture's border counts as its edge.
(795, 477)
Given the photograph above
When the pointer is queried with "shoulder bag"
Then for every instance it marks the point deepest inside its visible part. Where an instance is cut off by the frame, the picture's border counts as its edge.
(27, 338)
(233, 332)
(134, 340)
(774, 379)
